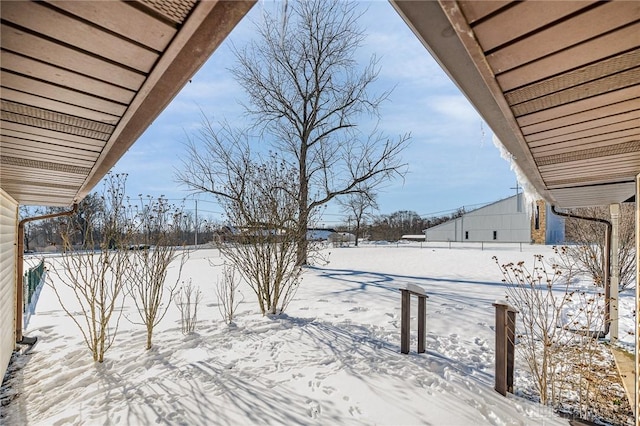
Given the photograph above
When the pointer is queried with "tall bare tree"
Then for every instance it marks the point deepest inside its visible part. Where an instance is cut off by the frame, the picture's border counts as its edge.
(358, 206)
(306, 95)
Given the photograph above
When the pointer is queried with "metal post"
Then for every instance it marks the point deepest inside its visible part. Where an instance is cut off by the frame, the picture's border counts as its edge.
(505, 347)
(195, 238)
(405, 321)
(405, 317)
(421, 323)
(511, 347)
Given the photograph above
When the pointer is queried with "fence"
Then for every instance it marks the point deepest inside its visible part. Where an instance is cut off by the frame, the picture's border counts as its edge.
(31, 284)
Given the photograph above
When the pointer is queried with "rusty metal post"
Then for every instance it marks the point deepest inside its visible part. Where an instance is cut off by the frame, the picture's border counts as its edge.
(405, 321)
(505, 347)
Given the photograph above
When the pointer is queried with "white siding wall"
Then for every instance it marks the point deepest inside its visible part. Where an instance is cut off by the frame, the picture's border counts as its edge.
(555, 228)
(443, 232)
(507, 218)
(8, 240)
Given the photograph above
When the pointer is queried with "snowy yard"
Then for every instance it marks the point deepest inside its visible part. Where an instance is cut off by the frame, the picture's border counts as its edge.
(334, 358)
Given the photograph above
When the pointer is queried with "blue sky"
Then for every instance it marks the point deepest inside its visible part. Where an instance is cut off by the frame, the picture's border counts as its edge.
(452, 160)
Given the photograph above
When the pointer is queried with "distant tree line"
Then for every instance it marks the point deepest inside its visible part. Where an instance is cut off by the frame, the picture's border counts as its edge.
(43, 235)
(391, 227)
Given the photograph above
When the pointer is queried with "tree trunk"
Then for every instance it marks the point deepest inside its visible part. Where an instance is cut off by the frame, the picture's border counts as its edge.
(303, 208)
(149, 336)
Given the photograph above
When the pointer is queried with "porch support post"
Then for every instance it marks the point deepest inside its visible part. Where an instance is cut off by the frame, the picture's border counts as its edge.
(637, 321)
(614, 209)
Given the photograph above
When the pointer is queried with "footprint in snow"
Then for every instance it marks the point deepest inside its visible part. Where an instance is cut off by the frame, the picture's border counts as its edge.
(314, 409)
(328, 389)
(313, 385)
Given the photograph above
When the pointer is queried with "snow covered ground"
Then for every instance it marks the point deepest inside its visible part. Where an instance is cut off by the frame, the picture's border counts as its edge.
(334, 358)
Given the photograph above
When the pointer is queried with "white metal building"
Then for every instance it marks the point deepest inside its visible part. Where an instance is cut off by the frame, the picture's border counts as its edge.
(507, 220)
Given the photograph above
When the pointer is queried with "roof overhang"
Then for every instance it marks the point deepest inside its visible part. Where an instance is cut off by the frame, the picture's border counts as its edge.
(557, 82)
(82, 80)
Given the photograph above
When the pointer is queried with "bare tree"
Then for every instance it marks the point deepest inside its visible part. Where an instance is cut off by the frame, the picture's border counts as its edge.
(358, 206)
(187, 300)
(557, 329)
(306, 95)
(29, 228)
(588, 237)
(229, 297)
(262, 218)
(97, 277)
(152, 251)
(540, 311)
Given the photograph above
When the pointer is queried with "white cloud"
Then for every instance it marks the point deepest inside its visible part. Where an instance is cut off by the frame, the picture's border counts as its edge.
(453, 108)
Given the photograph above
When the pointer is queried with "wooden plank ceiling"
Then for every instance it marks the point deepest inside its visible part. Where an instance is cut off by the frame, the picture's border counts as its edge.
(558, 82)
(81, 80)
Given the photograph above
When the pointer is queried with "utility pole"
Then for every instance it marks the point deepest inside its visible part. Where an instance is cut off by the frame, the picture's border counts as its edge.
(196, 233)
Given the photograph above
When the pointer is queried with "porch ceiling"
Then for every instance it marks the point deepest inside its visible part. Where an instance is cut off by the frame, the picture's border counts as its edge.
(557, 82)
(81, 80)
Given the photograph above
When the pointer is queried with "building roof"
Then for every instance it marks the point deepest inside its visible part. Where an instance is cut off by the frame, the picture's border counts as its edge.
(557, 82)
(81, 80)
